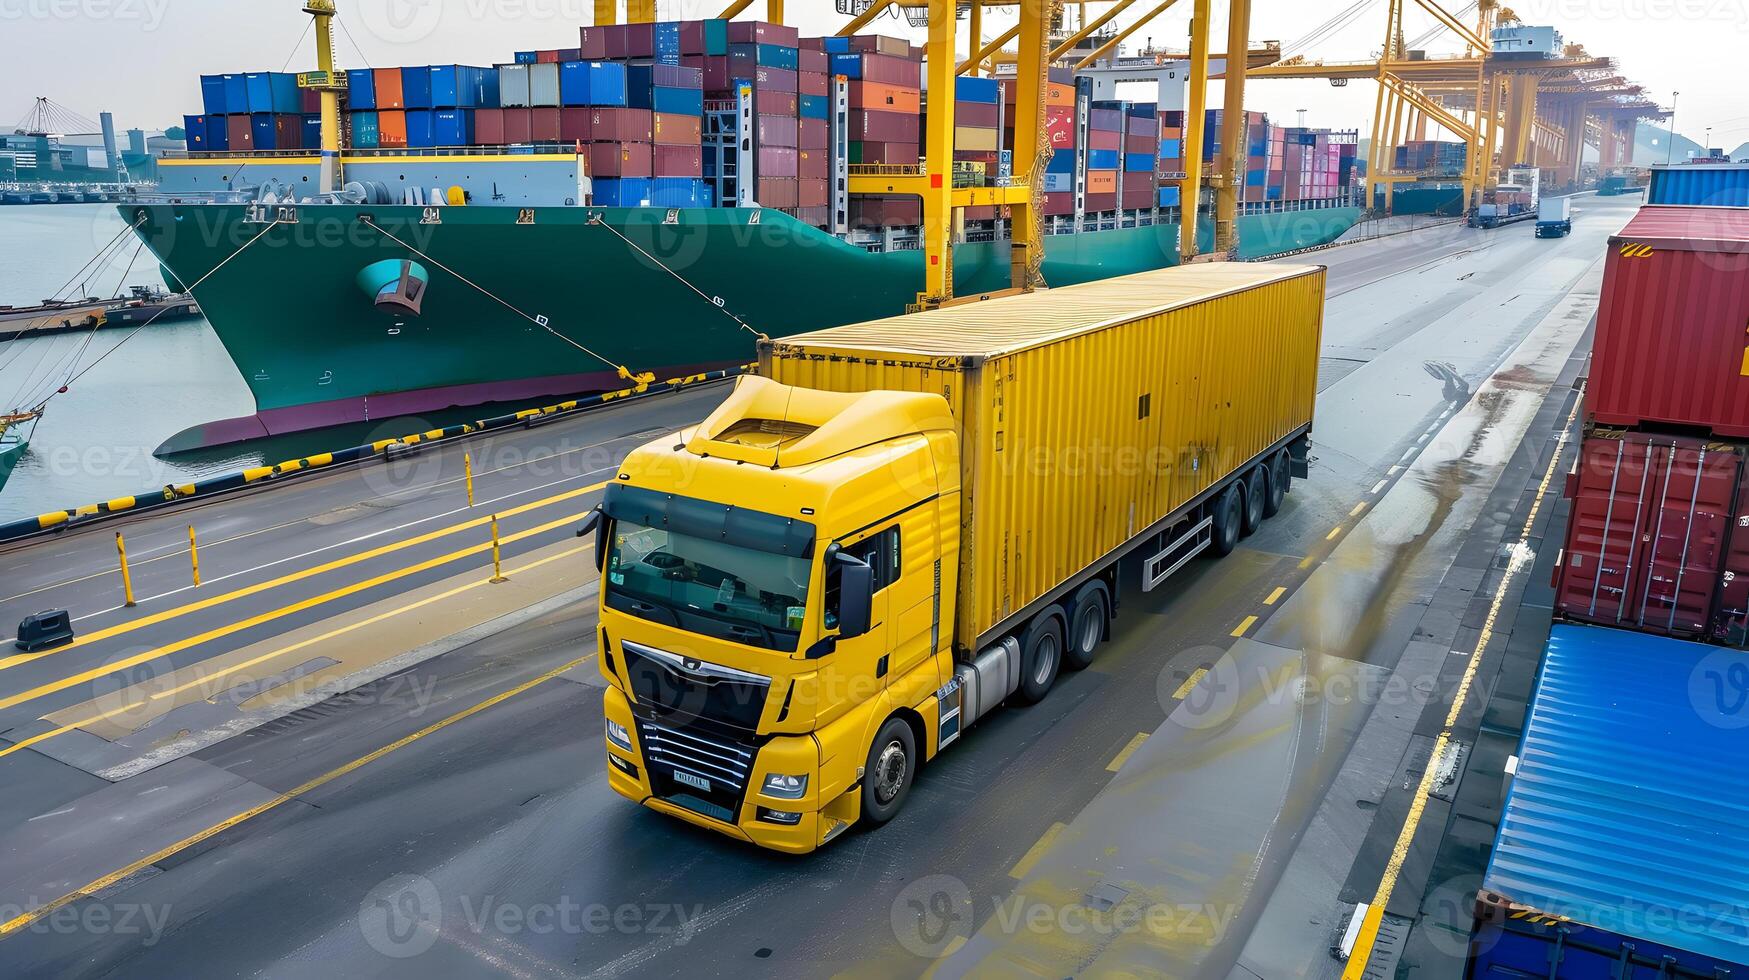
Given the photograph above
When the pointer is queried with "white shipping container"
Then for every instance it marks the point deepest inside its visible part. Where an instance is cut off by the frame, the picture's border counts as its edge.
(513, 88)
(543, 84)
(1555, 209)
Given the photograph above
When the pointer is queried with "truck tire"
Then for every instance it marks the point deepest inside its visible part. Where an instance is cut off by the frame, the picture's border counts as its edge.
(1087, 629)
(1281, 476)
(886, 779)
(1227, 520)
(1041, 656)
(1255, 491)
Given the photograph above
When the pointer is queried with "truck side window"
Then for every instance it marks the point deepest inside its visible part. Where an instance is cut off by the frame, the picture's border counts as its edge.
(881, 552)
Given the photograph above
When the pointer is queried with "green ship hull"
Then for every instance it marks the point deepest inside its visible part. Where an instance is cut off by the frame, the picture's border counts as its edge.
(9, 454)
(638, 287)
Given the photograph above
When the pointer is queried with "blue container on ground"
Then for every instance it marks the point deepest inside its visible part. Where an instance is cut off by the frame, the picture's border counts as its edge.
(366, 130)
(416, 89)
(681, 101)
(968, 89)
(814, 107)
(236, 95)
(452, 127)
(361, 89)
(420, 128)
(622, 192)
(1061, 162)
(848, 65)
(212, 94)
(679, 192)
(313, 131)
(1169, 197)
(1102, 159)
(1718, 185)
(1134, 162)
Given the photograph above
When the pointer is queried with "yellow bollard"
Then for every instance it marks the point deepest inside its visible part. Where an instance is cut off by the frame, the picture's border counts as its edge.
(127, 580)
(194, 555)
(497, 558)
(468, 464)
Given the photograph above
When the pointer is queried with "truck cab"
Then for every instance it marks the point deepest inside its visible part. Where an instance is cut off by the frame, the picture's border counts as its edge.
(772, 610)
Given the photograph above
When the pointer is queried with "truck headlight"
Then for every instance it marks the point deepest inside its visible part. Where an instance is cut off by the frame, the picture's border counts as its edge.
(785, 787)
(617, 734)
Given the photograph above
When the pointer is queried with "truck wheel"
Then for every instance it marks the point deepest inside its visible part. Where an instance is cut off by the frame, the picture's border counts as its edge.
(1280, 477)
(1227, 521)
(886, 779)
(1088, 629)
(1041, 656)
(1255, 494)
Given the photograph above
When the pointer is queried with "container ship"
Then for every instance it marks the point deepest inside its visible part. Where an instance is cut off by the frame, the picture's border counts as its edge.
(534, 228)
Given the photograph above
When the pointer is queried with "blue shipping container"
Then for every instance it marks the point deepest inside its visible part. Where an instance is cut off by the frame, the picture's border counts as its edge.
(1061, 162)
(1059, 183)
(1624, 816)
(313, 131)
(212, 94)
(1102, 159)
(967, 89)
(361, 89)
(837, 45)
(218, 133)
(679, 192)
(1169, 197)
(668, 42)
(595, 83)
(1719, 185)
(848, 65)
(236, 95)
(416, 89)
(272, 91)
(527, 57)
(814, 107)
(454, 87)
(681, 101)
(194, 129)
(266, 131)
(366, 132)
(453, 127)
(1171, 149)
(1135, 162)
(421, 129)
(622, 192)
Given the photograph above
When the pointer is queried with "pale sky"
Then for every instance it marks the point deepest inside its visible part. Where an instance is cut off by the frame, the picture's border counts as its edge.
(141, 58)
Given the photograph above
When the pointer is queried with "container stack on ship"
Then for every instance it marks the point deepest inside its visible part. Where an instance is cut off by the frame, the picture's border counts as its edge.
(1620, 850)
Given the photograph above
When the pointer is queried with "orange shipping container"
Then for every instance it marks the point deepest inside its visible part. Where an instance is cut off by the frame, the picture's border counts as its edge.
(887, 98)
(389, 94)
(392, 129)
(1101, 181)
(673, 129)
(1058, 94)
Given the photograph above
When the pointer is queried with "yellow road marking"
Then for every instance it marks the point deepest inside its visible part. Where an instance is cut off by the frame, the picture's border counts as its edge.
(1189, 684)
(1333, 532)
(249, 590)
(1375, 914)
(1275, 596)
(292, 648)
(1357, 509)
(24, 919)
(1124, 756)
(272, 614)
(1242, 627)
(1038, 851)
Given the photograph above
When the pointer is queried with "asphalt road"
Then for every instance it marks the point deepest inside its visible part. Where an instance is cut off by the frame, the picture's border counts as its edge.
(485, 838)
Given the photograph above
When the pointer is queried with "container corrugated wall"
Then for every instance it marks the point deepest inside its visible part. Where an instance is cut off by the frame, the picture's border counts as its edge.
(1099, 416)
(1724, 185)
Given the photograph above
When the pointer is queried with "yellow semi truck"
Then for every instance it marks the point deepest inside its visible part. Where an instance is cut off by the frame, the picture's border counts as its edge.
(898, 525)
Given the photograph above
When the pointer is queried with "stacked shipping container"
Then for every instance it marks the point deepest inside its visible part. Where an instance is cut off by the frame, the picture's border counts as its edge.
(1659, 537)
(253, 111)
(886, 128)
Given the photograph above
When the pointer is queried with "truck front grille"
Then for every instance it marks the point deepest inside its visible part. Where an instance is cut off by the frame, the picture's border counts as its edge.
(688, 768)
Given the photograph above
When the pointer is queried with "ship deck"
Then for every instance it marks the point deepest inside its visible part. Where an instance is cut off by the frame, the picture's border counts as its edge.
(234, 779)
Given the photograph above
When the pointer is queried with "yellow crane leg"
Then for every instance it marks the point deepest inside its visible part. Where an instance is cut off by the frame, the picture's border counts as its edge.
(1196, 103)
(1235, 135)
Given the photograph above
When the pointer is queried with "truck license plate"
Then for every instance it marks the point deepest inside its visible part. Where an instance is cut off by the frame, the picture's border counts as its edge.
(696, 782)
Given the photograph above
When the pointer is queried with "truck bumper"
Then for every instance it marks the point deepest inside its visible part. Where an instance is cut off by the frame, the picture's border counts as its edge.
(810, 829)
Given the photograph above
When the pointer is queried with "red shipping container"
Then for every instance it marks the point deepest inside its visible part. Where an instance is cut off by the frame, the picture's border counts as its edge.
(489, 127)
(1731, 609)
(874, 211)
(289, 132)
(1646, 542)
(388, 89)
(982, 114)
(392, 129)
(778, 192)
(880, 44)
(1139, 193)
(573, 124)
(1059, 202)
(715, 70)
(544, 125)
(1100, 139)
(1102, 202)
(621, 160)
(779, 161)
(776, 130)
(812, 134)
(592, 43)
(885, 127)
(240, 132)
(774, 79)
(518, 126)
(621, 125)
(814, 164)
(1060, 124)
(761, 32)
(813, 83)
(679, 161)
(1146, 144)
(309, 100)
(981, 212)
(547, 57)
(674, 129)
(811, 193)
(767, 102)
(631, 41)
(1670, 343)
(892, 70)
(814, 61)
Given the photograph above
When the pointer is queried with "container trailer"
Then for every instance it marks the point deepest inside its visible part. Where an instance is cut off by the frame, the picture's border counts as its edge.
(901, 524)
(1554, 217)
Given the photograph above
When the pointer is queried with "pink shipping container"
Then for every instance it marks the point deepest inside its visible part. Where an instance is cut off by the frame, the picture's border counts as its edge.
(621, 160)
(778, 192)
(779, 161)
(768, 102)
(761, 32)
(813, 83)
(892, 70)
(621, 125)
(489, 127)
(884, 127)
(573, 124)
(592, 43)
(774, 79)
(813, 61)
(813, 134)
(1646, 543)
(518, 126)
(814, 164)
(1671, 346)
(715, 69)
(777, 131)
(679, 161)
(544, 125)
(811, 193)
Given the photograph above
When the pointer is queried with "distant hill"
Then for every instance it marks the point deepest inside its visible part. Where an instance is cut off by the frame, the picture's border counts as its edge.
(1652, 146)
(1741, 152)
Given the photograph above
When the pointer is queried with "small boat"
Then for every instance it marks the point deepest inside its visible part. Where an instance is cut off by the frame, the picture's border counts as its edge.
(15, 432)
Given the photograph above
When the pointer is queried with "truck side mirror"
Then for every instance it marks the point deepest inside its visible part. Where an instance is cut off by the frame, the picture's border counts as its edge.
(594, 524)
(855, 595)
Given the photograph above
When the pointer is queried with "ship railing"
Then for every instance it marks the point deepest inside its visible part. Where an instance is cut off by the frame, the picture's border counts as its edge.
(357, 153)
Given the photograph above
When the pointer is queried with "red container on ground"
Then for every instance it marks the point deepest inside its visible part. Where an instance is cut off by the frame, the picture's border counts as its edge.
(622, 125)
(1646, 543)
(674, 129)
(573, 124)
(544, 125)
(518, 126)
(679, 161)
(1671, 346)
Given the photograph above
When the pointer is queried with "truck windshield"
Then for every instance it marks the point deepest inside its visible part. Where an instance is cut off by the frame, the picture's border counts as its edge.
(722, 590)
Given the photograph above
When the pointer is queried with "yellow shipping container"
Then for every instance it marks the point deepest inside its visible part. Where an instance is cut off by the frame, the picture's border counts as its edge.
(1091, 416)
(976, 139)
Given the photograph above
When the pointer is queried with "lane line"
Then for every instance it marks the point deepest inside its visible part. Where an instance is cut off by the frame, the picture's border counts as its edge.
(1248, 622)
(1032, 856)
(1375, 914)
(1189, 684)
(1333, 532)
(273, 614)
(1357, 509)
(282, 651)
(287, 579)
(24, 919)
(1124, 754)
(1378, 486)
(1275, 596)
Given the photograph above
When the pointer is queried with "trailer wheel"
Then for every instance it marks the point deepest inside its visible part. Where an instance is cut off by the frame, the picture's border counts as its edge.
(1041, 656)
(1281, 476)
(886, 779)
(1088, 629)
(1227, 520)
(1256, 496)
